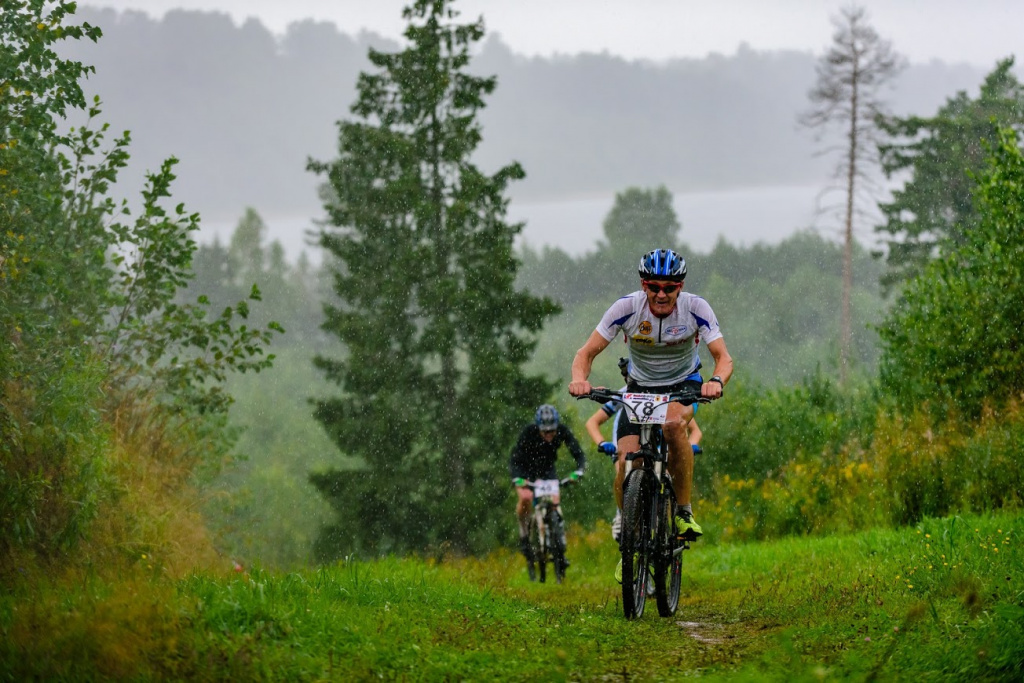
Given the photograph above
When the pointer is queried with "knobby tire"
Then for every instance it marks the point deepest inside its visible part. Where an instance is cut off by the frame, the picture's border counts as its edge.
(557, 548)
(635, 546)
(668, 568)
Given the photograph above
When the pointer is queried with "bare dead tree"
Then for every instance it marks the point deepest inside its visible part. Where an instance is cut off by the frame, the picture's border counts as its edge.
(846, 98)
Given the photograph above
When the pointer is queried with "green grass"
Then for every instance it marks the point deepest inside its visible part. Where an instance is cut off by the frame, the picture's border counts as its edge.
(941, 601)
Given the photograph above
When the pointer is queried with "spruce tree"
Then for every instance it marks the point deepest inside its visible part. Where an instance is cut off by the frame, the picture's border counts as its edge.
(934, 211)
(435, 334)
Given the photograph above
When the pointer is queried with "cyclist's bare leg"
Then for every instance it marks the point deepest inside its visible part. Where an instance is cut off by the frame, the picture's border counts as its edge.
(680, 454)
(627, 444)
(523, 508)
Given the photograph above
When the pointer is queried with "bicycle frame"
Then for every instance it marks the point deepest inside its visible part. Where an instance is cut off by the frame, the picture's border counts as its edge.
(649, 541)
(548, 524)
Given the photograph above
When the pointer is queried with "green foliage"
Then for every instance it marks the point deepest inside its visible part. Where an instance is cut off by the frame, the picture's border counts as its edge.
(936, 602)
(895, 471)
(761, 430)
(86, 292)
(434, 331)
(955, 338)
(933, 213)
(262, 506)
(289, 294)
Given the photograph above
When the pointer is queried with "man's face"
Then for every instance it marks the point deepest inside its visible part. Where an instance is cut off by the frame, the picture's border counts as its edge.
(548, 435)
(662, 295)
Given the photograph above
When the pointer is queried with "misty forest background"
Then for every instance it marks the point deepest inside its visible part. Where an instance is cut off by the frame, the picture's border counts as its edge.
(935, 372)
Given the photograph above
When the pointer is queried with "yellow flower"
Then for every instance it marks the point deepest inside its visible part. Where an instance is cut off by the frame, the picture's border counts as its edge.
(41, 26)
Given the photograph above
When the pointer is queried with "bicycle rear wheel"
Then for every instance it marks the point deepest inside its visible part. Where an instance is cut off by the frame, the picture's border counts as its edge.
(668, 564)
(636, 542)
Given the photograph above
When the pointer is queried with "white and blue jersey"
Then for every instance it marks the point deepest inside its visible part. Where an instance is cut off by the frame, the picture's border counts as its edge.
(662, 351)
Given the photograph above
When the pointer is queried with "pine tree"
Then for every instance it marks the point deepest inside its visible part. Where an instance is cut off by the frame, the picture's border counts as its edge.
(850, 77)
(434, 332)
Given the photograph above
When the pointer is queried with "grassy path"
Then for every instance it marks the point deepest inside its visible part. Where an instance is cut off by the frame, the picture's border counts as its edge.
(943, 601)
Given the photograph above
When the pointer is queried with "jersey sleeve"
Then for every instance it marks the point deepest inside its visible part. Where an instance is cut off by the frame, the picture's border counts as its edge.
(707, 323)
(514, 461)
(615, 317)
(612, 407)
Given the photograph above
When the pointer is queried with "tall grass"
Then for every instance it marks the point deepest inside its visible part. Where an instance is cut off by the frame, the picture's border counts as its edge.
(909, 469)
(53, 440)
(939, 601)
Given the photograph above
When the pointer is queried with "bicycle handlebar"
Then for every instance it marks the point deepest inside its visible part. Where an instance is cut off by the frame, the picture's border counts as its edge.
(687, 396)
(561, 482)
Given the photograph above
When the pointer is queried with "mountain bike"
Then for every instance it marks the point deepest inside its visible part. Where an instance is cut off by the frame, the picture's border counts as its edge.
(650, 543)
(547, 530)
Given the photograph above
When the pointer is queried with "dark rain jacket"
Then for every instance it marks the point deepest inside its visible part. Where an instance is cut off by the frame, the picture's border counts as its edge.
(534, 458)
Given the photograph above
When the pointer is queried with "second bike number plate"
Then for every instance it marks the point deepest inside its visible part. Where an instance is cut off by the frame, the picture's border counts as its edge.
(646, 408)
(545, 487)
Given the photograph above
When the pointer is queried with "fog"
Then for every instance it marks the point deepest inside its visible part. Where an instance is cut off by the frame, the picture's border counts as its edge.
(244, 108)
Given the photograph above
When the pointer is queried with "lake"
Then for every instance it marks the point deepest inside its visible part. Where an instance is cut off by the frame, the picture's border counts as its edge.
(743, 216)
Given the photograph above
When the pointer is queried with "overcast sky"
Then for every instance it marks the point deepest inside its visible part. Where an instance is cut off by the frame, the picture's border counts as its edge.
(978, 32)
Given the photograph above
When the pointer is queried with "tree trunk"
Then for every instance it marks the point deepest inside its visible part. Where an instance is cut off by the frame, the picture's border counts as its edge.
(845, 325)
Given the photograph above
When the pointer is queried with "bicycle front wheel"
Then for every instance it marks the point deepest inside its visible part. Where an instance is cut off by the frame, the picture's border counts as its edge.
(668, 564)
(556, 533)
(636, 542)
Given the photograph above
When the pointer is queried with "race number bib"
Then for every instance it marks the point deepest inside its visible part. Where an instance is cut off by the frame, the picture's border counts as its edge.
(646, 409)
(545, 487)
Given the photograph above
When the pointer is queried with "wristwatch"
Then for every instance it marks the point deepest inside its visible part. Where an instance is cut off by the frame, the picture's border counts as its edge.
(718, 379)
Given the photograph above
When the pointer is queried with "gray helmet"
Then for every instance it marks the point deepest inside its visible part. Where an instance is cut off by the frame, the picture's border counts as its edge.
(546, 418)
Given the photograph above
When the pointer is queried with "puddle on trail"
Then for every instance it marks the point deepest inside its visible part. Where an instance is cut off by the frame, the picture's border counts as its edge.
(699, 632)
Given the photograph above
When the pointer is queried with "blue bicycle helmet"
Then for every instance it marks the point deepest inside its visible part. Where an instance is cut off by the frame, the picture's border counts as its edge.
(662, 264)
(546, 418)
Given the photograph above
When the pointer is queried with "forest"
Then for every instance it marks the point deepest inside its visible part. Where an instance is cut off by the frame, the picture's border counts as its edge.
(175, 411)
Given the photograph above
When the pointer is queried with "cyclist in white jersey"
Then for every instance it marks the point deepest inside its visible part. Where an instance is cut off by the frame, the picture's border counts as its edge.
(662, 326)
(612, 410)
